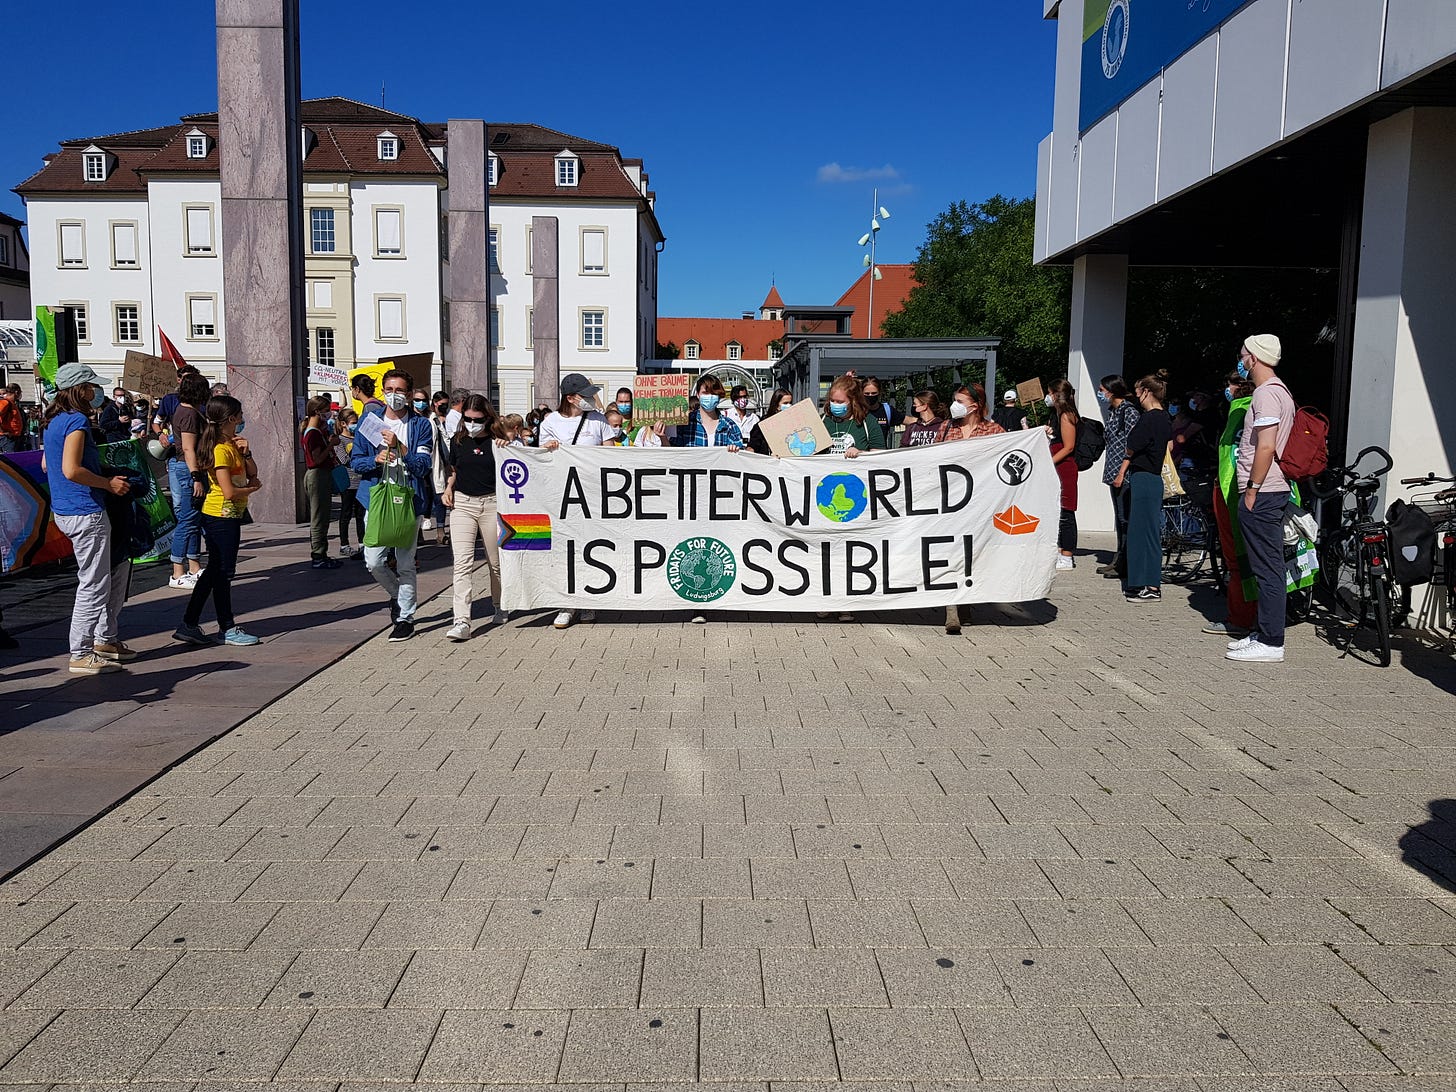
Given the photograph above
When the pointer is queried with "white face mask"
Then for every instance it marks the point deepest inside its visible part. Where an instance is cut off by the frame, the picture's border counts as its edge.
(1048, 401)
(475, 428)
(958, 411)
(396, 400)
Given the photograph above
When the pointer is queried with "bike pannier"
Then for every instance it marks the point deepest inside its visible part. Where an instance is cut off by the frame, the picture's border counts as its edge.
(1411, 537)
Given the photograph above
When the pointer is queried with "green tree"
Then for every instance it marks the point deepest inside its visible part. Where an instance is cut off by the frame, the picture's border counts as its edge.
(977, 280)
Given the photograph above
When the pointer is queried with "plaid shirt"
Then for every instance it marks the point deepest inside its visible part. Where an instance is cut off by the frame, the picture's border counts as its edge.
(727, 433)
(1119, 426)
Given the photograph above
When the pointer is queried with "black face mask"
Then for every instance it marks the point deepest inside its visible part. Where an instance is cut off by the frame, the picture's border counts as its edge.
(872, 399)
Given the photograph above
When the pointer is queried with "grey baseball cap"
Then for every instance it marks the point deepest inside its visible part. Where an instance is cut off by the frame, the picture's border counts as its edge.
(74, 375)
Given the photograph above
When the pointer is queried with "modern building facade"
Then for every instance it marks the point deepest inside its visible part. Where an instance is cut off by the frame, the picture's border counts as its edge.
(1271, 133)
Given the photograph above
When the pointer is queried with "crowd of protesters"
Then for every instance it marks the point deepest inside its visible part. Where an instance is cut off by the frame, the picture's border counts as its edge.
(442, 449)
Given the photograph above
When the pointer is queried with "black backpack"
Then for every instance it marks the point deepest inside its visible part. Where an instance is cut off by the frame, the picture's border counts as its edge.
(1091, 443)
(1412, 538)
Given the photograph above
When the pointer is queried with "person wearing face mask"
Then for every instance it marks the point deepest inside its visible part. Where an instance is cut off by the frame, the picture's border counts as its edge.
(1241, 593)
(740, 409)
(439, 464)
(1061, 399)
(574, 423)
(470, 497)
(318, 479)
(188, 481)
(1120, 416)
(853, 429)
(1141, 472)
(777, 402)
(73, 471)
(348, 487)
(710, 425)
(881, 411)
(968, 415)
(624, 403)
(407, 441)
(931, 425)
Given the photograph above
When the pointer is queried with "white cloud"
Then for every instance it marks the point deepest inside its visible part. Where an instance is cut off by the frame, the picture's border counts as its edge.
(833, 172)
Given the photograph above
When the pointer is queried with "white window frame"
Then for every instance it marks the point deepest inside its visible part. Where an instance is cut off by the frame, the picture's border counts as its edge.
(568, 171)
(192, 334)
(136, 242)
(492, 249)
(498, 337)
(83, 320)
(333, 229)
(692, 350)
(530, 254)
(188, 251)
(333, 346)
(581, 331)
(735, 351)
(116, 306)
(196, 146)
(381, 298)
(581, 249)
(530, 328)
(380, 252)
(492, 169)
(95, 167)
(5, 248)
(387, 146)
(61, 226)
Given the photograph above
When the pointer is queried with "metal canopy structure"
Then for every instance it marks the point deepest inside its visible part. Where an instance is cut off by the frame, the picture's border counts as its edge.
(809, 362)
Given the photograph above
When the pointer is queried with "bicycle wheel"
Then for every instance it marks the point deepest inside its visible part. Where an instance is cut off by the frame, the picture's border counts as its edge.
(1185, 541)
(1380, 608)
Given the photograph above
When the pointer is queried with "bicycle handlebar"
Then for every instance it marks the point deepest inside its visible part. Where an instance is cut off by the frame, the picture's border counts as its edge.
(1373, 450)
(1340, 478)
(1430, 479)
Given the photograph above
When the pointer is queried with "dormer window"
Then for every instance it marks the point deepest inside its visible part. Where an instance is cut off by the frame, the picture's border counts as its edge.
(306, 141)
(735, 351)
(196, 144)
(388, 147)
(95, 166)
(492, 170)
(691, 350)
(567, 168)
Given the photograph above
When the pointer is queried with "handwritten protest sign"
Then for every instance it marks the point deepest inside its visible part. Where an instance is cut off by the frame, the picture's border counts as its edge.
(968, 522)
(1029, 392)
(660, 399)
(798, 430)
(325, 375)
(149, 375)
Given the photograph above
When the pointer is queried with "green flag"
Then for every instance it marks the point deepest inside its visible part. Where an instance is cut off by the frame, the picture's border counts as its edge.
(47, 359)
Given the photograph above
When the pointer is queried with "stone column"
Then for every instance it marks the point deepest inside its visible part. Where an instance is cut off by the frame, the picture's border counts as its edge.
(1402, 382)
(469, 227)
(260, 150)
(1099, 326)
(546, 335)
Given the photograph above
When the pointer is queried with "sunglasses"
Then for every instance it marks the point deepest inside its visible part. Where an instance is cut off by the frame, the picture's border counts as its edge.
(473, 420)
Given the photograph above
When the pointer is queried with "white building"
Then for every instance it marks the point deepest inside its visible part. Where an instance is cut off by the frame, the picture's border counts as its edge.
(126, 228)
(1268, 133)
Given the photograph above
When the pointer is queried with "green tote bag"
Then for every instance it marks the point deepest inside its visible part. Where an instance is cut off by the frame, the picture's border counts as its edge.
(391, 518)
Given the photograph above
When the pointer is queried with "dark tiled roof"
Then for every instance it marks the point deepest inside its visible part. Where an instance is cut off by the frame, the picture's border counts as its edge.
(507, 136)
(533, 174)
(6, 218)
(65, 173)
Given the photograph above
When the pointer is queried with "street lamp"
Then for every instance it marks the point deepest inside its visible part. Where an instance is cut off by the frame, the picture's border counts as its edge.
(878, 212)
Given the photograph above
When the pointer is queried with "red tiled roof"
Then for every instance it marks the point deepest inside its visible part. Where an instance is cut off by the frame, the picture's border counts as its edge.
(714, 334)
(64, 173)
(773, 299)
(533, 174)
(891, 292)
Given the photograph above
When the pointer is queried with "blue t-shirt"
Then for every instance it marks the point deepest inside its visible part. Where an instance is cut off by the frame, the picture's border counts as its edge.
(67, 497)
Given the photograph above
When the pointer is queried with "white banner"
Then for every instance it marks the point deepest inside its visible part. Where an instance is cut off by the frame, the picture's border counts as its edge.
(973, 521)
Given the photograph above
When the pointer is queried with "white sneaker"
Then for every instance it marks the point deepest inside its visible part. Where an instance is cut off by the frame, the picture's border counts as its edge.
(564, 619)
(1065, 562)
(588, 616)
(700, 619)
(460, 631)
(180, 582)
(1240, 642)
(1257, 653)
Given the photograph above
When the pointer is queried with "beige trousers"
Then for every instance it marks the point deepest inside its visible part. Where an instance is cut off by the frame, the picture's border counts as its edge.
(472, 517)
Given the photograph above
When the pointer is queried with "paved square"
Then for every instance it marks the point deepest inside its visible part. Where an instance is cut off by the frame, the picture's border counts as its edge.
(1077, 853)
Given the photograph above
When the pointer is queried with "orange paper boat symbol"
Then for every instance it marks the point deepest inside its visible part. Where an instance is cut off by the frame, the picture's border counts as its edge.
(1015, 522)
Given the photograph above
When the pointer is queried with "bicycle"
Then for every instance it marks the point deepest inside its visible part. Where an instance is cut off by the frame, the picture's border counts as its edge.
(1353, 570)
(1189, 535)
(1441, 507)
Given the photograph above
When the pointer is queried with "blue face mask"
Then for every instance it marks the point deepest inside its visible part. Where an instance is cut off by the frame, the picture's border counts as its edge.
(1243, 371)
(239, 430)
(1228, 395)
(708, 402)
(98, 399)
(839, 409)
(1102, 397)
(624, 408)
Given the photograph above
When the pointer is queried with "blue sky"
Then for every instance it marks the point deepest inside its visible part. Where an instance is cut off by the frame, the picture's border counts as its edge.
(764, 127)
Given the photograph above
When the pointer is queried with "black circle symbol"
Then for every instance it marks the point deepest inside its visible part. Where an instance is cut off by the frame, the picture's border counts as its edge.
(1014, 467)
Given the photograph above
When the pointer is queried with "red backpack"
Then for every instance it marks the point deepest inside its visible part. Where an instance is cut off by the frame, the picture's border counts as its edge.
(1306, 452)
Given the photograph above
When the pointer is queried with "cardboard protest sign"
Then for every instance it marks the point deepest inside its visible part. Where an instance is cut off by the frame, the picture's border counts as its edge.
(146, 374)
(325, 375)
(968, 522)
(660, 399)
(1029, 392)
(418, 365)
(798, 430)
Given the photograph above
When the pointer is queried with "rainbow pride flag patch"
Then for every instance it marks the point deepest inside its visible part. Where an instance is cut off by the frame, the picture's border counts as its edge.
(520, 531)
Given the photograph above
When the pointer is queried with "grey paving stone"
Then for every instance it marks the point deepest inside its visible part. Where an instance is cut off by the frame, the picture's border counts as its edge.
(197, 843)
(1299, 972)
(1061, 977)
(647, 923)
(459, 980)
(1181, 975)
(751, 840)
(925, 1044)
(588, 979)
(997, 879)
(822, 977)
(101, 925)
(631, 1045)
(95, 880)
(1401, 921)
(701, 978)
(525, 879)
(600, 878)
(19, 921)
(1196, 921)
(776, 878)
(1020, 1043)
(919, 879)
(303, 881)
(766, 1045)
(1081, 923)
(1416, 1038)
(244, 1046)
(498, 1047)
(692, 878)
(97, 980)
(308, 927)
(204, 980)
(1293, 920)
(1414, 973)
(532, 923)
(1295, 1039)
(876, 923)
(412, 881)
(972, 922)
(944, 977)
(95, 1045)
(757, 923)
(191, 881)
(361, 1046)
(339, 980)
(1161, 1042)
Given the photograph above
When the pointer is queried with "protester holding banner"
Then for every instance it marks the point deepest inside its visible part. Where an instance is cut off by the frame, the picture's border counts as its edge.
(232, 478)
(186, 476)
(77, 489)
(930, 426)
(574, 423)
(405, 440)
(470, 496)
(318, 479)
(969, 417)
(1142, 475)
(1061, 399)
(852, 428)
(709, 425)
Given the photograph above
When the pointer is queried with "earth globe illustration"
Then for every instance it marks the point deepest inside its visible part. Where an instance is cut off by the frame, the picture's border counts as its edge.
(841, 497)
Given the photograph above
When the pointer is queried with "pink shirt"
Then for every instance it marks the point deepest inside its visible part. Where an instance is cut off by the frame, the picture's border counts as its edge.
(1272, 406)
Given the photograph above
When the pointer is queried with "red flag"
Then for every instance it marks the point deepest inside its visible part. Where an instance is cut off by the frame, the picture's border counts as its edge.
(169, 351)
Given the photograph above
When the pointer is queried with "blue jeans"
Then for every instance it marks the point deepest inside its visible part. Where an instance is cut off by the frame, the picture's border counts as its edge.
(187, 535)
(223, 539)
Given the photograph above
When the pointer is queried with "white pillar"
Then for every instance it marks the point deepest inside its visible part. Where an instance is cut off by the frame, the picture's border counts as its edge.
(1403, 378)
(1099, 324)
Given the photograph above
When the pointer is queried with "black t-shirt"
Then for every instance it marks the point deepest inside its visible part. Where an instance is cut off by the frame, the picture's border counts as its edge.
(474, 461)
(1148, 442)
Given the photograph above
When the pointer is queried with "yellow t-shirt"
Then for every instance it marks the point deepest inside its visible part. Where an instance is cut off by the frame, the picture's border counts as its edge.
(226, 457)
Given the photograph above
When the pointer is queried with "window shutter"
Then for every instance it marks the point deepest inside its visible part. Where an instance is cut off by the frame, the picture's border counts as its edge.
(124, 242)
(323, 294)
(391, 318)
(199, 230)
(594, 251)
(71, 248)
(388, 221)
(202, 311)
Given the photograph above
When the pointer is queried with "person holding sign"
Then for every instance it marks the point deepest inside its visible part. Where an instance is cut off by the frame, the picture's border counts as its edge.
(709, 425)
(575, 422)
(852, 428)
(779, 401)
(397, 438)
